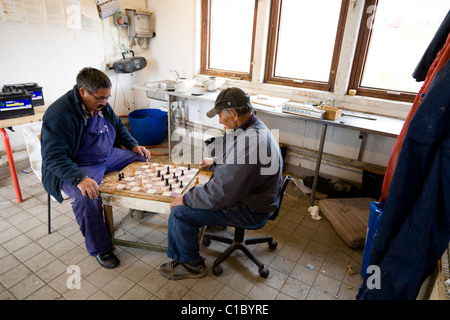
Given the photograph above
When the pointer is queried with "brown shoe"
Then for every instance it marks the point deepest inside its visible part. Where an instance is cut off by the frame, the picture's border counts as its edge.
(177, 271)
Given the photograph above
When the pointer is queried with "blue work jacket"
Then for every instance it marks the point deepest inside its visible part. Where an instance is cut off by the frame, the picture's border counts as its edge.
(62, 128)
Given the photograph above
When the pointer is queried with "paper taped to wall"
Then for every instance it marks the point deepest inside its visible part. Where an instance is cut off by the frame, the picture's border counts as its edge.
(107, 8)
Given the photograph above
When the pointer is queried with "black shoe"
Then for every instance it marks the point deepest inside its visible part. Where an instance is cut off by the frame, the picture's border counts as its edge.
(108, 260)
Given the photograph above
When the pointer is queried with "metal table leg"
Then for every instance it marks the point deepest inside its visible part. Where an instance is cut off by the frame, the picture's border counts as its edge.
(12, 166)
(363, 137)
(49, 213)
(109, 222)
(169, 125)
(318, 161)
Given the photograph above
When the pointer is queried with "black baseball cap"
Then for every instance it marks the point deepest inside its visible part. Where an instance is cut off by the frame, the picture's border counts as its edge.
(232, 97)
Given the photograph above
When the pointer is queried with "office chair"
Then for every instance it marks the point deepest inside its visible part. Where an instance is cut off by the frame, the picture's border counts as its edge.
(240, 243)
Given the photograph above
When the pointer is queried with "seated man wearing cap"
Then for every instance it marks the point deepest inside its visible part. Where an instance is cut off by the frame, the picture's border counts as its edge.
(242, 191)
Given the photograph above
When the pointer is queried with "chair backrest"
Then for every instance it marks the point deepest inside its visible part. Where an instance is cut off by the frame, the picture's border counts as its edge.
(274, 215)
(32, 137)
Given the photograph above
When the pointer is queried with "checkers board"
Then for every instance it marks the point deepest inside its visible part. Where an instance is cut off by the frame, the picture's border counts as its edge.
(156, 179)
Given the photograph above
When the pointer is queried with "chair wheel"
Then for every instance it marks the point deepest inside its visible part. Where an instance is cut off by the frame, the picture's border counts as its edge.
(264, 272)
(206, 241)
(273, 244)
(217, 270)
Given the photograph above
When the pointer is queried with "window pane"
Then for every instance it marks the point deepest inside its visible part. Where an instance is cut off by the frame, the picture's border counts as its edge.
(306, 39)
(401, 33)
(231, 34)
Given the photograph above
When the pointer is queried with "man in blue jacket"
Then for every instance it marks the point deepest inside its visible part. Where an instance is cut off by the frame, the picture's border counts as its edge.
(244, 189)
(81, 140)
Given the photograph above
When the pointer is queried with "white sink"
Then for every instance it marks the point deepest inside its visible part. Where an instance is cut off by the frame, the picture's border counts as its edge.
(158, 90)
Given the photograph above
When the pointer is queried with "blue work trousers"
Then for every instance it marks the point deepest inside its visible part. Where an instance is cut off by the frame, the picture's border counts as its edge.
(89, 213)
(185, 222)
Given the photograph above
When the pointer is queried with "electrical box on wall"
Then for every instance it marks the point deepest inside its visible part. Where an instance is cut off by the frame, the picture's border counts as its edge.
(140, 24)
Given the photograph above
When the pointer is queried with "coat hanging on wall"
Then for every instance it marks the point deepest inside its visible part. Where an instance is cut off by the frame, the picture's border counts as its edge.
(438, 63)
(434, 47)
(415, 226)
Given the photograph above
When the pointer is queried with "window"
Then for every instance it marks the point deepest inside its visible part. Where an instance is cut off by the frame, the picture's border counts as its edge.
(304, 42)
(228, 37)
(392, 39)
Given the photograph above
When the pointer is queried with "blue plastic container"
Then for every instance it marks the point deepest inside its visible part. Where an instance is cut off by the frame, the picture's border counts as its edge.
(148, 126)
(376, 211)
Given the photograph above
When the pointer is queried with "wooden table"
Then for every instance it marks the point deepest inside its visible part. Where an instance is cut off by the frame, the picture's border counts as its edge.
(138, 200)
(7, 123)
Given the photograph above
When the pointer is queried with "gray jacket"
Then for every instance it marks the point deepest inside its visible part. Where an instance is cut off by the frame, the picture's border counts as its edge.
(247, 169)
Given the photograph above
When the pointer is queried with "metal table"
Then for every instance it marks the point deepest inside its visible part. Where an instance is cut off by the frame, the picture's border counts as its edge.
(365, 124)
(384, 126)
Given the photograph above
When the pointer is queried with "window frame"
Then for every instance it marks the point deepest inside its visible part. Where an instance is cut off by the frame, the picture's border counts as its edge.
(205, 47)
(359, 60)
(266, 56)
(272, 44)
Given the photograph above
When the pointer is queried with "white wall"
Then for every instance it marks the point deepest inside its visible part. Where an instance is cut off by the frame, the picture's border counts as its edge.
(52, 57)
(174, 46)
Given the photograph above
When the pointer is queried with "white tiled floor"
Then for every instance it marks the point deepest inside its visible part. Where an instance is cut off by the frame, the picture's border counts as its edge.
(33, 264)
